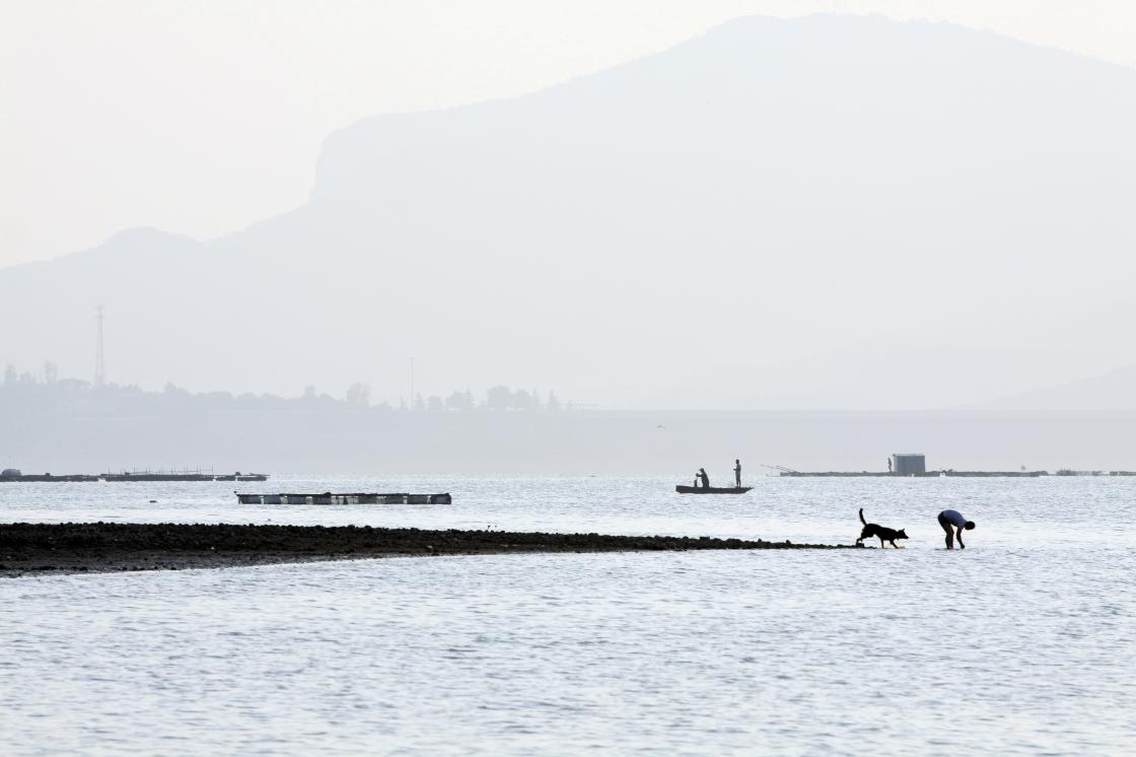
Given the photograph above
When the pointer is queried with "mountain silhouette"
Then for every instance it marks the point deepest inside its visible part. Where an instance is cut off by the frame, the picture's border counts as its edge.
(831, 211)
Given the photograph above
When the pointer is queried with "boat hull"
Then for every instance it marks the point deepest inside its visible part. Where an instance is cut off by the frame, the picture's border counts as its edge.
(712, 490)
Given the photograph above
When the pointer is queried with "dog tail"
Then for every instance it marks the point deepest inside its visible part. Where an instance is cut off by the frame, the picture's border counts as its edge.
(862, 517)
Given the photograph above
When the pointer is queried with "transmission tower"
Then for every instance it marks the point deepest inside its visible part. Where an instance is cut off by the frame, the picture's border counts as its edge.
(100, 364)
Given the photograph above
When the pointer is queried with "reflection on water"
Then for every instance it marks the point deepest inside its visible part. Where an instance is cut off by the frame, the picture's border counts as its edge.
(1021, 644)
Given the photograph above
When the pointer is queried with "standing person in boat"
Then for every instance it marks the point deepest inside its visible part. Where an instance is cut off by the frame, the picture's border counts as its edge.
(696, 479)
(738, 473)
(949, 519)
(702, 474)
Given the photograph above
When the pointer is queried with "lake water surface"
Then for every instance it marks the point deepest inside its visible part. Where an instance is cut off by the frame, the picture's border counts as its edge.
(1022, 644)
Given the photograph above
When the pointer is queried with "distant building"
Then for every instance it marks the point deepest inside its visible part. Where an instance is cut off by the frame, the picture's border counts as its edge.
(908, 463)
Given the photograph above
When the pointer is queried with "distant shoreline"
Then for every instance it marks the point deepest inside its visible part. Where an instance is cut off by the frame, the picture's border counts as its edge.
(35, 549)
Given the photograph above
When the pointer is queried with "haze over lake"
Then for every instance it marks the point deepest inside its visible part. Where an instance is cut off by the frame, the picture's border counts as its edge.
(827, 212)
(548, 262)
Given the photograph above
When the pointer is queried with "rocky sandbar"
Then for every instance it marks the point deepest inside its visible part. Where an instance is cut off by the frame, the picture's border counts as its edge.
(52, 548)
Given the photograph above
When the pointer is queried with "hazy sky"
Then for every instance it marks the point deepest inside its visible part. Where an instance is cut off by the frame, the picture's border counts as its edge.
(202, 118)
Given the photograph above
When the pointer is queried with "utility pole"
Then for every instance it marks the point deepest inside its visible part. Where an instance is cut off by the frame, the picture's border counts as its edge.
(100, 364)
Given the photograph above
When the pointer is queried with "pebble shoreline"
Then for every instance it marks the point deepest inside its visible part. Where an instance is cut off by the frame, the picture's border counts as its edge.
(60, 548)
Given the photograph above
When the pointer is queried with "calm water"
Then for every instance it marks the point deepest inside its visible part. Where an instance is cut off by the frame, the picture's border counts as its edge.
(1022, 644)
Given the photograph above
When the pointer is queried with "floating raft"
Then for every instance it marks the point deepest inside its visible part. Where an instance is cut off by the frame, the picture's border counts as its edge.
(115, 477)
(955, 474)
(11, 474)
(712, 489)
(349, 498)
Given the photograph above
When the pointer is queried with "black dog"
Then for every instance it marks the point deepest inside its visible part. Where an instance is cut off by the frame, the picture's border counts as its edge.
(883, 533)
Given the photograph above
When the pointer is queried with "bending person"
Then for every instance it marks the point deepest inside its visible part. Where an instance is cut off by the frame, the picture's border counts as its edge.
(949, 519)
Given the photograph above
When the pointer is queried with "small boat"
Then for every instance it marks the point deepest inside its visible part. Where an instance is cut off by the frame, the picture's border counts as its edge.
(712, 489)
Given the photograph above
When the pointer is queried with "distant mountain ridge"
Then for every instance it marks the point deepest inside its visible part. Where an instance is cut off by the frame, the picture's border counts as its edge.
(1115, 390)
(823, 212)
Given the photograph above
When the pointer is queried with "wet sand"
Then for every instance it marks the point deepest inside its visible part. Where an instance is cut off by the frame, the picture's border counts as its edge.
(58, 548)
